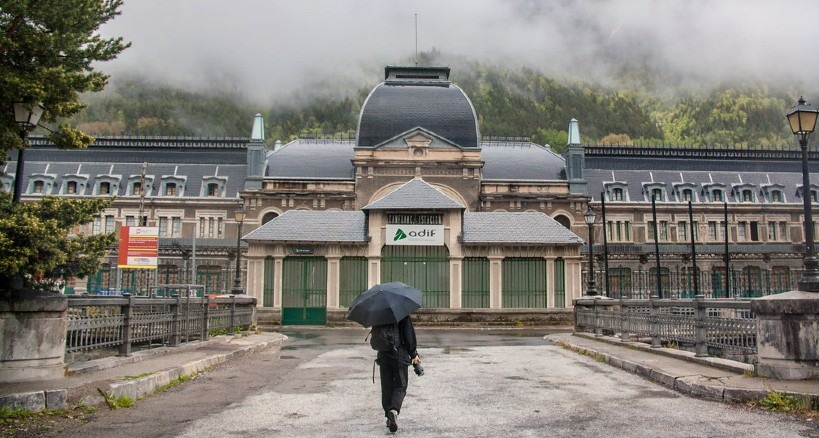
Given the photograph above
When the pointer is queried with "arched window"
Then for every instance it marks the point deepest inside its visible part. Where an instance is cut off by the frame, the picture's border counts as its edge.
(563, 220)
(269, 217)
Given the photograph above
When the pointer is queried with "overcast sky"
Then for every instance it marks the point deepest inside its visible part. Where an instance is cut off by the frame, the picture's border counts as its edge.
(267, 48)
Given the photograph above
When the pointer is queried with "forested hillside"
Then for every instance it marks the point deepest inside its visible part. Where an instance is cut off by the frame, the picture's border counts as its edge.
(510, 102)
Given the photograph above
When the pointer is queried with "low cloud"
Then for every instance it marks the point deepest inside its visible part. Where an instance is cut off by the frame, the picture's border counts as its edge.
(265, 49)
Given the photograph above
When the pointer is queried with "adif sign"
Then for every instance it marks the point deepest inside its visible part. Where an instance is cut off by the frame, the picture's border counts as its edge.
(420, 235)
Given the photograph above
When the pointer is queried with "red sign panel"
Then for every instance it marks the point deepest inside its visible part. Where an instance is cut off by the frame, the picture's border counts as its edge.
(138, 247)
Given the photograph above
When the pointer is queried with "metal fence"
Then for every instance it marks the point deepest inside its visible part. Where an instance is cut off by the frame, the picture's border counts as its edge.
(748, 282)
(722, 328)
(126, 322)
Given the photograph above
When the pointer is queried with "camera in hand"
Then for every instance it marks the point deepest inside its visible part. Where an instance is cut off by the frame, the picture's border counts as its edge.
(419, 371)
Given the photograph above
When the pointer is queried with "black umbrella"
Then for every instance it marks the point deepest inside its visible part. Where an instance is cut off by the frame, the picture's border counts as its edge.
(384, 304)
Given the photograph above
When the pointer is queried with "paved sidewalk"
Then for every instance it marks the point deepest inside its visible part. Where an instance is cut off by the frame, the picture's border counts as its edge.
(135, 376)
(705, 377)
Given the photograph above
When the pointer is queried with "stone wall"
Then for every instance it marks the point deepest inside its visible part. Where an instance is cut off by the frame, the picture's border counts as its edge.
(32, 335)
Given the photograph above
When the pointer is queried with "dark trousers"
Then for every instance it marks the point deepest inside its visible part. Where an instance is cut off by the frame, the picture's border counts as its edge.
(393, 385)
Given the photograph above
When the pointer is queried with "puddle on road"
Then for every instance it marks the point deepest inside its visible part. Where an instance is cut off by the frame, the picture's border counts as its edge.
(455, 350)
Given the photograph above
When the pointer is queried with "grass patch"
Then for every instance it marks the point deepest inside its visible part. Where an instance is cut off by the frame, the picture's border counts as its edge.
(781, 402)
(115, 402)
(179, 380)
(7, 413)
(24, 422)
(592, 354)
(137, 376)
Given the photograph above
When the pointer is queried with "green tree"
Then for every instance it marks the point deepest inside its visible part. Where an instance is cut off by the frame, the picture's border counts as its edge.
(47, 51)
(37, 240)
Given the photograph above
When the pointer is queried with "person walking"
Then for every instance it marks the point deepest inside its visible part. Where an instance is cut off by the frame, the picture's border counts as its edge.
(394, 367)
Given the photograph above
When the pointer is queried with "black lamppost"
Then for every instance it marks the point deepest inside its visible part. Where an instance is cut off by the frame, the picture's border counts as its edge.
(239, 216)
(589, 217)
(26, 115)
(802, 119)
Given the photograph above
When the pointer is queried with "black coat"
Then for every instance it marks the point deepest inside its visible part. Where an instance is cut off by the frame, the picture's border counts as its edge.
(408, 348)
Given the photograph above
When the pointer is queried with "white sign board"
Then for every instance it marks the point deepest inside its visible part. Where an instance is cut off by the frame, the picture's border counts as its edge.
(426, 235)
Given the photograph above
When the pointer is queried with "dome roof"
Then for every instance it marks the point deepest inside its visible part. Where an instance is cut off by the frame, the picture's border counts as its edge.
(414, 97)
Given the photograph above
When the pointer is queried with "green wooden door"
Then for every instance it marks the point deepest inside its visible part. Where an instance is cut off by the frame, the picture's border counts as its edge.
(422, 267)
(267, 291)
(352, 279)
(524, 282)
(475, 281)
(304, 291)
(560, 283)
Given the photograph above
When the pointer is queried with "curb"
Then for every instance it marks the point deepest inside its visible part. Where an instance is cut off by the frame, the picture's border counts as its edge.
(144, 386)
(694, 386)
(57, 399)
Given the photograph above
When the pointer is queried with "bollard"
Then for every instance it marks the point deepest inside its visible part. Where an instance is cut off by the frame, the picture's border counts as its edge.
(700, 349)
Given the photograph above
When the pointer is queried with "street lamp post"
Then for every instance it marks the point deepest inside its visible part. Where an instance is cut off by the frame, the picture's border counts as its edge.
(589, 217)
(802, 119)
(239, 216)
(27, 116)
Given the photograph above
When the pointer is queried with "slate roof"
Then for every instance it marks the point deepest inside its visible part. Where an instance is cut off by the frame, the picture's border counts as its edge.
(190, 158)
(313, 226)
(520, 227)
(391, 109)
(735, 168)
(312, 160)
(507, 161)
(416, 194)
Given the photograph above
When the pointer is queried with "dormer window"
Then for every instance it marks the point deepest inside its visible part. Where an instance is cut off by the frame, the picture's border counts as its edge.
(213, 186)
(714, 192)
(776, 196)
(136, 189)
(654, 191)
(71, 188)
(172, 186)
(38, 186)
(105, 188)
(747, 195)
(617, 191)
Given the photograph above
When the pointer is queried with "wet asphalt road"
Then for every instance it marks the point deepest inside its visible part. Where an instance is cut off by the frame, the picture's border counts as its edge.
(484, 383)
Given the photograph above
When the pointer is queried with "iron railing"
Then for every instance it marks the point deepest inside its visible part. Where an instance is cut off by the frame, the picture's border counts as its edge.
(748, 282)
(97, 322)
(722, 328)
